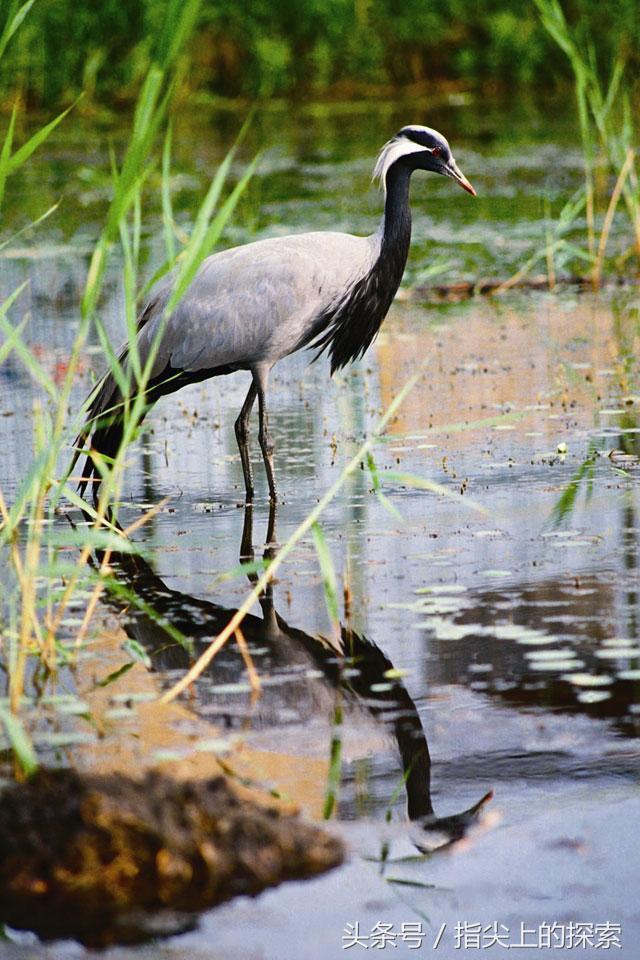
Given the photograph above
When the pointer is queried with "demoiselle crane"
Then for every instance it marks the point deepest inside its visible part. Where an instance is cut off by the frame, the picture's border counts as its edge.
(250, 306)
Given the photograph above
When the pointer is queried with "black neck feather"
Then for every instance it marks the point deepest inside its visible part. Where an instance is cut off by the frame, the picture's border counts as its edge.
(349, 327)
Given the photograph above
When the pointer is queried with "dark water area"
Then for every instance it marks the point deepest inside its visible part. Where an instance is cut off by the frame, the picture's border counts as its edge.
(494, 625)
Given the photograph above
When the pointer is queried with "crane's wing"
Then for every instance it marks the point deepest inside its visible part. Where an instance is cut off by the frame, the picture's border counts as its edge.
(256, 303)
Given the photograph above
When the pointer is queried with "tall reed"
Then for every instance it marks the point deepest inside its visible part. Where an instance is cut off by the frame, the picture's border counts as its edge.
(29, 541)
(608, 134)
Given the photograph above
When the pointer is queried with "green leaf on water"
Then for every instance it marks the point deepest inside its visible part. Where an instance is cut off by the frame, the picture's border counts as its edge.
(410, 858)
(419, 884)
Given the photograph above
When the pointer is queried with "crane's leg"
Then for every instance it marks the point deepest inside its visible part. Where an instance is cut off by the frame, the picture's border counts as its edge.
(242, 436)
(266, 443)
(246, 543)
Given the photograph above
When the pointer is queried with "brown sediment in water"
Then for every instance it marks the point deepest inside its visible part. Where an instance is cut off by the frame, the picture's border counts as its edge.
(111, 859)
(489, 286)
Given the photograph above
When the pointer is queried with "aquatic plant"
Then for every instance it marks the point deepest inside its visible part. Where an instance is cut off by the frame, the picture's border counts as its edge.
(27, 535)
(608, 135)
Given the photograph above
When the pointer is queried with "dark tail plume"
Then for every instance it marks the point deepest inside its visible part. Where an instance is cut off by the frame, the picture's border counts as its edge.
(102, 433)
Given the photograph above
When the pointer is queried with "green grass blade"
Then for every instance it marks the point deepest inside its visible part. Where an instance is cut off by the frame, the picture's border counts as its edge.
(191, 257)
(216, 227)
(115, 674)
(206, 231)
(179, 22)
(29, 226)
(7, 346)
(5, 153)
(19, 741)
(13, 23)
(377, 487)
(120, 590)
(421, 483)
(97, 539)
(32, 144)
(335, 766)
(6, 304)
(27, 357)
(242, 570)
(167, 208)
(137, 652)
(115, 367)
(327, 570)
(565, 505)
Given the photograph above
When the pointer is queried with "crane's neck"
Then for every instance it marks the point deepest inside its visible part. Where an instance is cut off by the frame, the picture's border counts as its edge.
(395, 228)
(348, 326)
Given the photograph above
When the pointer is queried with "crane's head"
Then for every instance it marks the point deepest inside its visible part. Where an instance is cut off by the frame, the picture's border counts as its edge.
(420, 148)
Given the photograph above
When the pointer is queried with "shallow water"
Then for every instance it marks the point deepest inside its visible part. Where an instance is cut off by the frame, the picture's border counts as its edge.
(509, 606)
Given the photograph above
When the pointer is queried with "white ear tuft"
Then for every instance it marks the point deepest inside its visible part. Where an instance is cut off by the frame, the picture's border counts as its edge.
(392, 151)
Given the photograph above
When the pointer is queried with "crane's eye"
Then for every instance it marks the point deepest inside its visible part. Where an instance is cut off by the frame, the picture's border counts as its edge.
(437, 151)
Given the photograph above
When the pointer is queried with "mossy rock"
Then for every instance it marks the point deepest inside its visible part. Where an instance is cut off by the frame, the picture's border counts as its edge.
(109, 859)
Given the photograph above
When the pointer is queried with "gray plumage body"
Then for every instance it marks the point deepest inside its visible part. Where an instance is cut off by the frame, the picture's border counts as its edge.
(250, 306)
(253, 305)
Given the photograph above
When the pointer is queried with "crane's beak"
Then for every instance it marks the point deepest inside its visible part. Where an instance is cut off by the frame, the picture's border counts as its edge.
(452, 171)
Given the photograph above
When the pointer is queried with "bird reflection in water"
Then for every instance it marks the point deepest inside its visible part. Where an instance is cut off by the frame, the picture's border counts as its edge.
(361, 672)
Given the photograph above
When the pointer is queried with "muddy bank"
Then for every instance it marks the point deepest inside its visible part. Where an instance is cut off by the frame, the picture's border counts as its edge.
(108, 859)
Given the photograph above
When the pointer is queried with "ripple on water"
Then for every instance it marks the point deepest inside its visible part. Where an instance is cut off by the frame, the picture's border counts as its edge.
(588, 679)
(557, 666)
(631, 675)
(593, 696)
(618, 653)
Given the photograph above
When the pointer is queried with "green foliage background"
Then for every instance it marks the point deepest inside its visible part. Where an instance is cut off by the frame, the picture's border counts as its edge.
(302, 47)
